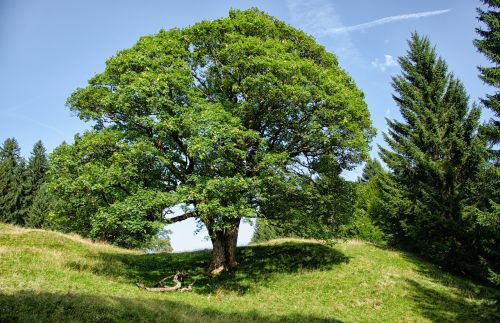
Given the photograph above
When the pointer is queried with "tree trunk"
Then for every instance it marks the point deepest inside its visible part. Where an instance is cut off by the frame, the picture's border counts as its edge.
(224, 246)
(218, 262)
(231, 239)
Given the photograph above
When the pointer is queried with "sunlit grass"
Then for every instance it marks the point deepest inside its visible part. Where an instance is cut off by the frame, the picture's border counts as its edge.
(48, 276)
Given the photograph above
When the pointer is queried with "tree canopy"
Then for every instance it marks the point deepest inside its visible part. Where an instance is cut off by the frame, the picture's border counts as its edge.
(230, 114)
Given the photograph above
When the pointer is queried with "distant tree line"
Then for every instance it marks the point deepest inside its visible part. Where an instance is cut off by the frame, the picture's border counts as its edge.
(24, 197)
(27, 189)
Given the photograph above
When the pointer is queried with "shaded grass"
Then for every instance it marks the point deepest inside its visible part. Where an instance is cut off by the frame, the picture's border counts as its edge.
(258, 264)
(28, 306)
(442, 296)
(47, 277)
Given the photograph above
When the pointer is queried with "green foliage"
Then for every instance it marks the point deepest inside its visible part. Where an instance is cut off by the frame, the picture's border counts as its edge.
(482, 215)
(371, 169)
(265, 231)
(12, 175)
(362, 227)
(36, 203)
(21, 201)
(37, 167)
(363, 224)
(233, 111)
(159, 243)
(108, 188)
(437, 161)
(489, 45)
(485, 214)
(314, 208)
(131, 221)
(68, 279)
(42, 205)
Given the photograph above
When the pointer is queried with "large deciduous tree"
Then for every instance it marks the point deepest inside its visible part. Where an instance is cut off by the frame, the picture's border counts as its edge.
(238, 113)
(437, 159)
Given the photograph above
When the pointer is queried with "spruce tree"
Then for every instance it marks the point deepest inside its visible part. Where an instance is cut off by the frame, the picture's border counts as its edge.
(38, 165)
(37, 214)
(363, 224)
(372, 168)
(36, 202)
(265, 231)
(486, 212)
(489, 45)
(436, 159)
(12, 167)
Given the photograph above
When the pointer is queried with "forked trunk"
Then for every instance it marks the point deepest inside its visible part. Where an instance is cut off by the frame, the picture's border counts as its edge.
(231, 239)
(218, 262)
(224, 247)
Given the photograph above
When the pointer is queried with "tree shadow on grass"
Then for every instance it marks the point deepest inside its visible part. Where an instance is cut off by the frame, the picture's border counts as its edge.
(454, 307)
(464, 300)
(257, 265)
(26, 306)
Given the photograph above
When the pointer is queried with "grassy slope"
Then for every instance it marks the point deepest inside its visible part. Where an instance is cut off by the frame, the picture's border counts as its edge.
(48, 276)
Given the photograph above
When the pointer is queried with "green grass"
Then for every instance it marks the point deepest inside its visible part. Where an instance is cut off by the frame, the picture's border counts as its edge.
(51, 277)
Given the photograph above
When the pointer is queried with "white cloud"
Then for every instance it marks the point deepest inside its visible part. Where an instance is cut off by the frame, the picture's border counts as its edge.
(388, 62)
(316, 16)
(382, 21)
(320, 19)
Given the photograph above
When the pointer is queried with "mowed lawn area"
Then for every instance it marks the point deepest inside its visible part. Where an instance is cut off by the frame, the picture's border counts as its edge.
(50, 277)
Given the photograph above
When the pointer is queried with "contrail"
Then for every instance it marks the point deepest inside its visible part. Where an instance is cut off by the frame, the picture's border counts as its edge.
(385, 20)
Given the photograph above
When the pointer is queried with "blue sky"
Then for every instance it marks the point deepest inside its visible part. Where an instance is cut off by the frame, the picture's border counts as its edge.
(49, 48)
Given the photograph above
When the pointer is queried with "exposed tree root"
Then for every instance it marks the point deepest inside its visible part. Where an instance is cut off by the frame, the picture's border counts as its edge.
(189, 288)
(177, 279)
(217, 271)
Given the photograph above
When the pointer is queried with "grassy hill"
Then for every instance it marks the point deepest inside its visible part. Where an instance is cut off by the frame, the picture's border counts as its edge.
(51, 277)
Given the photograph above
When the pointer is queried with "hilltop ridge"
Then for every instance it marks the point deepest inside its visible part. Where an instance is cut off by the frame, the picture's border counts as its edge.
(49, 276)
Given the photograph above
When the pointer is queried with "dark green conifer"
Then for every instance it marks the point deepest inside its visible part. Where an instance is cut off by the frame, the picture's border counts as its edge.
(436, 158)
(372, 168)
(489, 45)
(486, 212)
(12, 167)
(36, 202)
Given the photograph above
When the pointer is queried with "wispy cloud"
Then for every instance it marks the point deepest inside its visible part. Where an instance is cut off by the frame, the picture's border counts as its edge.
(320, 19)
(385, 20)
(383, 65)
(34, 121)
(316, 16)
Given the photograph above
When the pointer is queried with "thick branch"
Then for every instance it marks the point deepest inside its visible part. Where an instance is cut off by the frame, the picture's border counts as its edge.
(187, 215)
(161, 289)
